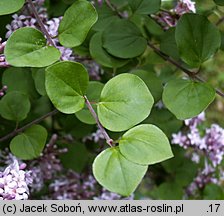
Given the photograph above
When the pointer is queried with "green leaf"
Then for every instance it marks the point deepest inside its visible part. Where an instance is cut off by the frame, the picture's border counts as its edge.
(168, 44)
(100, 54)
(66, 84)
(27, 47)
(125, 101)
(38, 75)
(10, 6)
(152, 81)
(127, 43)
(144, 7)
(76, 156)
(219, 2)
(30, 143)
(19, 79)
(117, 174)
(93, 94)
(186, 98)
(15, 106)
(197, 39)
(76, 23)
(145, 144)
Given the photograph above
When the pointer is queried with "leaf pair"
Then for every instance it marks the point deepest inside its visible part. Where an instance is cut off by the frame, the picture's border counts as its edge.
(119, 108)
(27, 47)
(120, 169)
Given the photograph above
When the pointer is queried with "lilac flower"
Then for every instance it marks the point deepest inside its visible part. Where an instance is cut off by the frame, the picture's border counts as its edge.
(3, 91)
(185, 6)
(96, 136)
(14, 182)
(204, 177)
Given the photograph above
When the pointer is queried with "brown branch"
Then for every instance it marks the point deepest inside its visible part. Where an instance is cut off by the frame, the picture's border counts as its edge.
(43, 29)
(185, 70)
(113, 8)
(36, 121)
(220, 21)
(103, 131)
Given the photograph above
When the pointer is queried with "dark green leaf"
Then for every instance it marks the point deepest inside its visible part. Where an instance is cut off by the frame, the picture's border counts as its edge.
(15, 106)
(30, 143)
(197, 39)
(127, 43)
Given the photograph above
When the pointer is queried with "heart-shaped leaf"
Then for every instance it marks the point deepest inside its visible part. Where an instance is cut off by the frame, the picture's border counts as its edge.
(186, 98)
(30, 143)
(66, 83)
(27, 47)
(125, 101)
(197, 39)
(117, 174)
(145, 144)
(127, 43)
(15, 106)
(76, 23)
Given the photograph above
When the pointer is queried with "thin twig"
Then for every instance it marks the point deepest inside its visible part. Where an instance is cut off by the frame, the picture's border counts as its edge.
(113, 8)
(36, 121)
(43, 29)
(221, 20)
(103, 131)
(188, 72)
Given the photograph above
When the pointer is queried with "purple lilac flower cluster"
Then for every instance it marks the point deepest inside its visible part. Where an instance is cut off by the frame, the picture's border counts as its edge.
(204, 177)
(14, 182)
(211, 144)
(169, 18)
(3, 62)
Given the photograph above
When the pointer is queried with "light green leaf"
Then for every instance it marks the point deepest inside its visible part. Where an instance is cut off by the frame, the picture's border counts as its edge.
(123, 39)
(10, 6)
(117, 174)
(197, 39)
(76, 23)
(66, 84)
(100, 54)
(125, 101)
(145, 144)
(30, 143)
(144, 7)
(27, 47)
(152, 81)
(38, 75)
(14, 106)
(186, 98)
(93, 94)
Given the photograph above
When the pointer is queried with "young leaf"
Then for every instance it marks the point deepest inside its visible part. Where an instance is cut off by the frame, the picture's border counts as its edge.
(125, 101)
(197, 39)
(145, 144)
(100, 54)
(27, 47)
(66, 83)
(127, 43)
(30, 143)
(76, 23)
(10, 6)
(186, 98)
(117, 174)
(15, 106)
(93, 94)
(144, 7)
